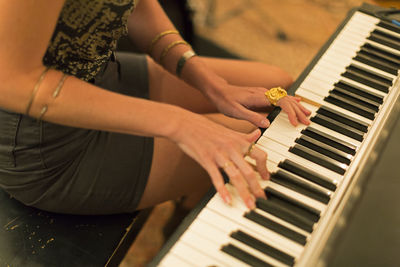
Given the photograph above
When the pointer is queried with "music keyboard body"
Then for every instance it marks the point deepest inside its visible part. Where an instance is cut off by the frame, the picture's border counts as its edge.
(352, 89)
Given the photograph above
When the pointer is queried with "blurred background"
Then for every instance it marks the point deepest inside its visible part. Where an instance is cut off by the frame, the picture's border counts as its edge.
(286, 33)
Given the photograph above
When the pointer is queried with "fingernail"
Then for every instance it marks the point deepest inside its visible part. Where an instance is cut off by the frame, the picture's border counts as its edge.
(262, 194)
(265, 123)
(251, 202)
(228, 199)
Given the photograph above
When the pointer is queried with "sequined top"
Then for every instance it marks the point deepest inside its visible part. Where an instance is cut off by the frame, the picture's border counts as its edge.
(86, 34)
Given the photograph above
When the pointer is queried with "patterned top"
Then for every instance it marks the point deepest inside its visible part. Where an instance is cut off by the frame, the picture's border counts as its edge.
(86, 34)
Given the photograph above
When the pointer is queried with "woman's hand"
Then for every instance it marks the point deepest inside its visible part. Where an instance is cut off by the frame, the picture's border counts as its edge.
(215, 147)
(243, 102)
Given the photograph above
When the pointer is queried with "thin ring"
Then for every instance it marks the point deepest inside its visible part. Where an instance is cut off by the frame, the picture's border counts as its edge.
(227, 164)
(251, 147)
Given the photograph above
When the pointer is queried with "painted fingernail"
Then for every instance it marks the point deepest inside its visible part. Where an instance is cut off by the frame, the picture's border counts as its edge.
(265, 123)
(251, 203)
(262, 194)
(227, 199)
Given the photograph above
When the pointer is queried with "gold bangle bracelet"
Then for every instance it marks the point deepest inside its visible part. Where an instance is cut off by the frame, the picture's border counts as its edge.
(34, 91)
(181, 62)
(157, 38)
(55, 94)
(171, 45)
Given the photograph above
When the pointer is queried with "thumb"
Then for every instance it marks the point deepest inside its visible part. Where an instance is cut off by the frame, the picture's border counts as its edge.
(253, 117)
(253, 136)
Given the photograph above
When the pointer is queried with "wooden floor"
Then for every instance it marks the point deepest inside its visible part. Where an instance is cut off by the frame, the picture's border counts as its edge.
(287, 33)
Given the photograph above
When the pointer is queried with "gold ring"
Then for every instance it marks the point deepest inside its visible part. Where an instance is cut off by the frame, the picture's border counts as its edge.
(227, 164)
(251, 147)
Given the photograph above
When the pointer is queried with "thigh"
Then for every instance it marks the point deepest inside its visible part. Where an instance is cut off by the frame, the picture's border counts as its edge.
(167, 88)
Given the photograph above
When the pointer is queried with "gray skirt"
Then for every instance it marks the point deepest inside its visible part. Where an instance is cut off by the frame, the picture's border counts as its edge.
(78, 171)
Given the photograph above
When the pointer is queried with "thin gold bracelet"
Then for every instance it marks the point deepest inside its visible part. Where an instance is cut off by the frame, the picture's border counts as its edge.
(157, 38)
(171, 45)
(55, 94)
(35, 90)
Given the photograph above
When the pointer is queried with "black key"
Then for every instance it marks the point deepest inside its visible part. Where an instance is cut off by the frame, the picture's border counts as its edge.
(360, 100)
(276, 227)
(324, 149)
(263, 248)
(362, 79)
(377, 77)
(384, 39)
(359, 91)
(382, 53)
(330, 140)
(244, 256)
(389, 26)
(307, 174)
(338, 127)
(350, 106)
(301, 185)
(292, 203)
(366, 78)
(377, 62)
(361, 57)
(319, 159)
(343, 118)
(285, 214)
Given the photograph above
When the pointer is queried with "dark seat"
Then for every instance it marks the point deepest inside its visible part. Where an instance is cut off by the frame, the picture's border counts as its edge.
(31, 237)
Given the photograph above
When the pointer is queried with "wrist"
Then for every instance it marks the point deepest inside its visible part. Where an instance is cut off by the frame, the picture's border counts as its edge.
(198, 75)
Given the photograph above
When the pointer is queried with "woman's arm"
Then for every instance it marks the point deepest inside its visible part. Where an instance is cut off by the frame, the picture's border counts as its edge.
(25, 30)
(149, 19)
(26, 27)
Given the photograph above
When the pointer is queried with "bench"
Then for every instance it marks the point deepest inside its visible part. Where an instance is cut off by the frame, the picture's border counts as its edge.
(31, 237)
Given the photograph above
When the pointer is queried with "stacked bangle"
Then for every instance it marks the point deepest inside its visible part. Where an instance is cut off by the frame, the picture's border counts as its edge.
(157, 38)
(35, 89)
(181, 62)
(171, 45)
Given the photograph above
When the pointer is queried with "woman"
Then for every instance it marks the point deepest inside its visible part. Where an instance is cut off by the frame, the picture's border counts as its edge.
(68, 145)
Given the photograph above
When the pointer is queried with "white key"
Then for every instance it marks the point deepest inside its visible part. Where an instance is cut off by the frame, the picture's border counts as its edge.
(172, 260)
(384, 47)
(395, 34)
(327, 81)
(311, 96)
(222, 236)
(294, 195)
(338, 64)
(194, 256)
(277, 154)
(206, 247)
(232, 216)
(282, 124)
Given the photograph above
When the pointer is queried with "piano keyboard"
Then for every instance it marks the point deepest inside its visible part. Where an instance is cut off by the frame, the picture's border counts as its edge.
(351, 91)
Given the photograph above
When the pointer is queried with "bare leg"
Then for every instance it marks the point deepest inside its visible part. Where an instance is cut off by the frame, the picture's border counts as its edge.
(173, 174)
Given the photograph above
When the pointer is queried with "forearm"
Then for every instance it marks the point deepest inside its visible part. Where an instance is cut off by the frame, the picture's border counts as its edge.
(147, 21)
(84, 105)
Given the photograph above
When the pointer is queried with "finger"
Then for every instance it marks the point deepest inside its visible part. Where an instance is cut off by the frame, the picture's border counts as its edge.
(241, 186)
(248, 174)
(287, 107)
(300, 115)
(253, 136)
(218, 182)
(251, 116)
(261, 162)
(304, 110)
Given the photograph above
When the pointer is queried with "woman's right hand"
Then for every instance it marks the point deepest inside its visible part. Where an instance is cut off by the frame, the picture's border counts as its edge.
(214, 146)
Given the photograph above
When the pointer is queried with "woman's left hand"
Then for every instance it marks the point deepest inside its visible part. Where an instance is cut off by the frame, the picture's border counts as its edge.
(242, 102)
